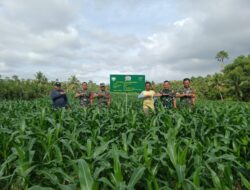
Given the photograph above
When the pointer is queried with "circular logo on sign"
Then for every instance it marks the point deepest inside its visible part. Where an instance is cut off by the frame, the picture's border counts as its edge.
(140, 78)
(127, 78)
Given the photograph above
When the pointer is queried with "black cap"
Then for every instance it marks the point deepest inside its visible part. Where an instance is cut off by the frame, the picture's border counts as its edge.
(102, 84)
(57, 84)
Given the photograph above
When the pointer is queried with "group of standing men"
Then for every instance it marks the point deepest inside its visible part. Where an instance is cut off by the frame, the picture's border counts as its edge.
(86, 97)
(166, 94)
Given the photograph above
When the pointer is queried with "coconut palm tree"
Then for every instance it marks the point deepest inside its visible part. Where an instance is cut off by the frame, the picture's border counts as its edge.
(216, 83)
(221, 56)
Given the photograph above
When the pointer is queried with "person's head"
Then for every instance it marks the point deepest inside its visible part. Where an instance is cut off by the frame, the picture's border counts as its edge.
(148, 86)
(166, 84)
(84, 86)
(186, 82)
(102, 86)
(57, 85)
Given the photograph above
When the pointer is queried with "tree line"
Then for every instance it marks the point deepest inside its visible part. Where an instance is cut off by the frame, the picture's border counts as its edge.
(232, 83)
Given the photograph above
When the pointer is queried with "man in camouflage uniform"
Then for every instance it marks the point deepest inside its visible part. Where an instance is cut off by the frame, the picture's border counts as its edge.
(103, 96)
(186, 94)
(85, 96)
(167, 96)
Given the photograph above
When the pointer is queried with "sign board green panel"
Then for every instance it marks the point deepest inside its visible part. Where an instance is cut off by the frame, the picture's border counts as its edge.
(127, 83)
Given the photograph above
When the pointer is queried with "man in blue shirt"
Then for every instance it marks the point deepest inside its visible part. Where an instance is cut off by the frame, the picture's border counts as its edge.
(59, 97)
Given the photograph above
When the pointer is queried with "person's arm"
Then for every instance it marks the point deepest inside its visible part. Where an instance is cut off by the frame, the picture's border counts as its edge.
(106, 94)
(153, 94)
(174, 102)
(91, 98)
(94, 95)
(100, 94)
(193, 96)
(177, 94)
(180, 95)
(55, 95)
(158, 94)
(141, 95)
(148, 94)
(109, 99)
(78, 94)
(193, 101)
(66, 99)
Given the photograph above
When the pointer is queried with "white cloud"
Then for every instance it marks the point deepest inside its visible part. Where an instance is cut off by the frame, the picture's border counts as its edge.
(161, 39)
(39, 15)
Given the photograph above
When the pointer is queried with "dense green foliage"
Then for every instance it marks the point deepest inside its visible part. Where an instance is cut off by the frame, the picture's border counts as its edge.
(15, 88)
(207, 148)
(233, 83)
(221, 56)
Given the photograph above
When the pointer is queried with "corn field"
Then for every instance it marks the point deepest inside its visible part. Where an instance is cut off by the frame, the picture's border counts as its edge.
(119, 148)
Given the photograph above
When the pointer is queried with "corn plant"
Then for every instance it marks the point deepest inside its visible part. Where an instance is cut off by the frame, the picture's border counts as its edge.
(117, 148)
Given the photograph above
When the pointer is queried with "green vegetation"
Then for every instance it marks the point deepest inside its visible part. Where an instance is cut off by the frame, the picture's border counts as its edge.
(118, 148)
(207, 148)
(221, 56)
(15, 88)
(233, 83)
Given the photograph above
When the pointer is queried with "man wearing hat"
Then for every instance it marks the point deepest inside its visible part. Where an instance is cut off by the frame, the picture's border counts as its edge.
(167, 96)
(85, 96)
(59, 97)
(103, 96)
(186, 94)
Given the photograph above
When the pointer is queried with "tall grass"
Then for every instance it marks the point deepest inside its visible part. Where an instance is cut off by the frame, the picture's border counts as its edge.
(206, 148)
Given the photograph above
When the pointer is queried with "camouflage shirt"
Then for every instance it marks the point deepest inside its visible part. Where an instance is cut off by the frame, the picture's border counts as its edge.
(168, 97)
(85, 97)
(186, 99)
(103, 100)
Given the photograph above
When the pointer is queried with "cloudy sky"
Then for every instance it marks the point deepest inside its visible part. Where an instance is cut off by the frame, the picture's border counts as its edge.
(163, 39)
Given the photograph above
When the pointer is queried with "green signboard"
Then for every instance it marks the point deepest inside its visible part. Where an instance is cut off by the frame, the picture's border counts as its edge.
(127, 83)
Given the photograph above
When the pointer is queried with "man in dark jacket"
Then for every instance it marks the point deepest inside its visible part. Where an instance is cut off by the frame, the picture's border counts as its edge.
(59, 97)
